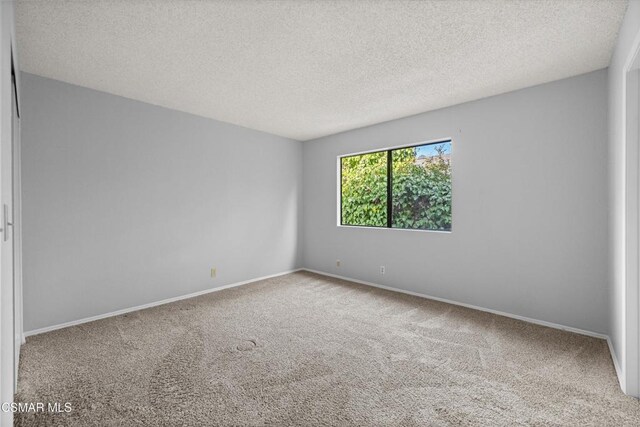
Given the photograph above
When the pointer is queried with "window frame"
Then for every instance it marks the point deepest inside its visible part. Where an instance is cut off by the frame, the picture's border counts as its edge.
(389, 151)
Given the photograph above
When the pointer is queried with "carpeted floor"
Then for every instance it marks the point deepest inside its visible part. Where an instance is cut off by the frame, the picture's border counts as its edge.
(305, 349)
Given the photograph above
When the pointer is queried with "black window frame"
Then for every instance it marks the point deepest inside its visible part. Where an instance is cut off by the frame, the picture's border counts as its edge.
(389, 152)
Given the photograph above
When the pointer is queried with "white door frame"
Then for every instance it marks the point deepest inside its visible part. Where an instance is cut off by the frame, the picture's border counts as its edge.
(17, 230)
(630, 382)
(10, 308)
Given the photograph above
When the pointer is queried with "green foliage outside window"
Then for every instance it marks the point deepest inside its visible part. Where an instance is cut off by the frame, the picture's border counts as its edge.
(364, 190)
(421, 193)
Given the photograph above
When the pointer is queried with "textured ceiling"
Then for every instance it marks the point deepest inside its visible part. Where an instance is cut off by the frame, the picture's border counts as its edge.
(305, 69)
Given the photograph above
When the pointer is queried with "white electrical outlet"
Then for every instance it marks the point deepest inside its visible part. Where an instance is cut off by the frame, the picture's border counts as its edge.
(214, 271)
(337, 263)
(382, 269)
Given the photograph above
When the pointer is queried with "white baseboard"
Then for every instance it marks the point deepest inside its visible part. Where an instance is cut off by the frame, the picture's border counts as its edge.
(475, 307)
(149, 305)
(616, 365)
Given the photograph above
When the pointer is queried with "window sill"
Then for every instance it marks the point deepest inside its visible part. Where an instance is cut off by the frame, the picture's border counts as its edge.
(395, 229)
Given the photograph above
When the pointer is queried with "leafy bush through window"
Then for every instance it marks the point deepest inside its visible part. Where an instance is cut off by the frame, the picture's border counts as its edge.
(402, 188)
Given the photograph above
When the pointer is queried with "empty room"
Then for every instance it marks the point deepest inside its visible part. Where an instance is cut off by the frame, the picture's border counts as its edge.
(319, 213)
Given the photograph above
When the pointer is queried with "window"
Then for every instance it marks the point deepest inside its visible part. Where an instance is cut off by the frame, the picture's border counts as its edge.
(407, 188)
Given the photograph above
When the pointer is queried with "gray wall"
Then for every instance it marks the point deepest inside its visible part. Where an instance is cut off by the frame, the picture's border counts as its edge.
(126, 203)
(529, 206)
(619, 285)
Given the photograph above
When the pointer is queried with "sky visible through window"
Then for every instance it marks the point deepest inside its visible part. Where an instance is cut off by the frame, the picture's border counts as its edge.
(431, 149)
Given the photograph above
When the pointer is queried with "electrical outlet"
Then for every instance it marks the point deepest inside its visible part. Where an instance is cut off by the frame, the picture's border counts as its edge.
(214, 271)
(382, 269)
(337, 263)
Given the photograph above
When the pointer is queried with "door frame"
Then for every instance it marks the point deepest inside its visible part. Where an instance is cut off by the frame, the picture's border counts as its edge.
(10, 318)
(630, 381)
(16, 219)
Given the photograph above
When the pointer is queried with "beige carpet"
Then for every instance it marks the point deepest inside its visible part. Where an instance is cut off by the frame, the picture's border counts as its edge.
(304, 349)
